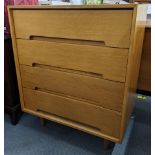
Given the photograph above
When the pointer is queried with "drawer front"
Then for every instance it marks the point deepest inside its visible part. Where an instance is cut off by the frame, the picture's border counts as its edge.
(103, 62)
(111, 27)
(97, 91)
(106, 121)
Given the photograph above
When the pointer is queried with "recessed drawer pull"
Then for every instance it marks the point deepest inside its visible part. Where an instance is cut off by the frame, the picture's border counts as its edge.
(36, 88)
(67, 40)
(92, 74)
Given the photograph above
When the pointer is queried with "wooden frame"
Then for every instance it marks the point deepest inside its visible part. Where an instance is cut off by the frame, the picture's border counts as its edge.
(136, 40)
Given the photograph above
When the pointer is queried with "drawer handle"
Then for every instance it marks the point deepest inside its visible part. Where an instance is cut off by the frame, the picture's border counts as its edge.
(67, 40)
(36, 88)
(68, 70)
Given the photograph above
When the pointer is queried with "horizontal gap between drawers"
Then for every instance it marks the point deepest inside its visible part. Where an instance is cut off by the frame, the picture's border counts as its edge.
(92, 74)
(73, 98)
(67, 119)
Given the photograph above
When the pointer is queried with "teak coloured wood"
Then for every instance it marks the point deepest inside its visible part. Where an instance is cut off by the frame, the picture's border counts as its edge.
(78, 65)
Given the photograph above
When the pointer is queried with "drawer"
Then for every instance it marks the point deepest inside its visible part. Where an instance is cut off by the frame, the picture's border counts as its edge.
(100, 61)
(109, 27)
(106, 121)
(81, 87)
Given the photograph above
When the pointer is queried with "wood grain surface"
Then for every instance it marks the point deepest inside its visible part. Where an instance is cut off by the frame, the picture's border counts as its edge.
(79, 65)
(109, 63)
(97, 25)
(75, 86)
(73, 110)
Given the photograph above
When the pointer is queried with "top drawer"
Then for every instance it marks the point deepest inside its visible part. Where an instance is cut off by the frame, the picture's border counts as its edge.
(110, 27)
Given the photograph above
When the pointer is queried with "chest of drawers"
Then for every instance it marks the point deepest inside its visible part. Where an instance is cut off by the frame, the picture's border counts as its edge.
(78, 65)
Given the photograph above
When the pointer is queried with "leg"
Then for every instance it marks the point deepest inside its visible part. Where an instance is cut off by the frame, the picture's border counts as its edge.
(42, 121)
(107, 144)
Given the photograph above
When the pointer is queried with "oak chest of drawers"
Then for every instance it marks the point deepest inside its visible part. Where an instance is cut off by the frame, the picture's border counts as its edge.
(78, 65)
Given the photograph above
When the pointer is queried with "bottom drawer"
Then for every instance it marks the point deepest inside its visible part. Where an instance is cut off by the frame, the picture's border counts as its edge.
(104, 120)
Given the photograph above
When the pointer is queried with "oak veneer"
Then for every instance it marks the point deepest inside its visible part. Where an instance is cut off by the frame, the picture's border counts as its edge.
(78, 65)
(75, 24)
(74, 110)
(74, 85)
(109, 63)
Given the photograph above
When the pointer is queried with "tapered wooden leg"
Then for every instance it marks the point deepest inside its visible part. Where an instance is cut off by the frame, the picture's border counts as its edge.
(107, 144)
(42, 121)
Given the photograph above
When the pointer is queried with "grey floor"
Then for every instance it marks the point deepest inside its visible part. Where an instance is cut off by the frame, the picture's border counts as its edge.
(140, 140)
(28, 137)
